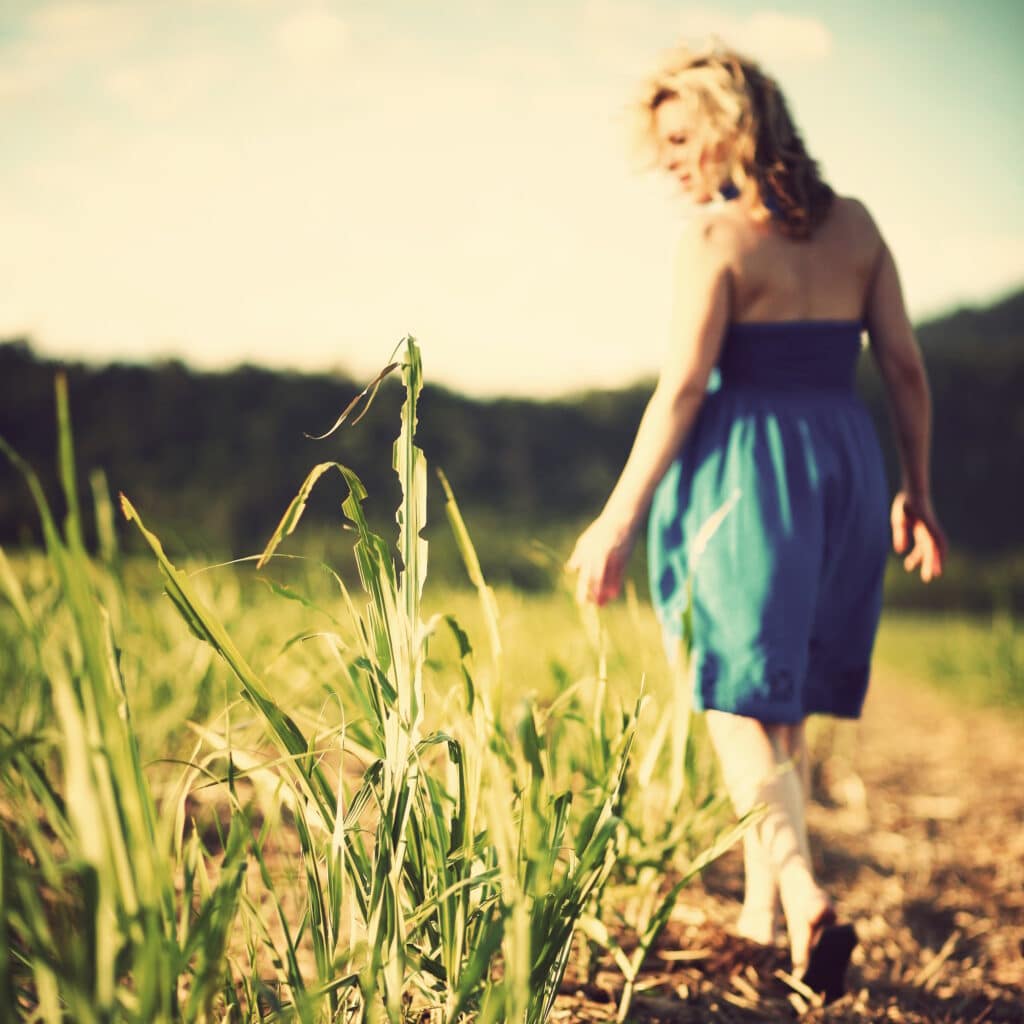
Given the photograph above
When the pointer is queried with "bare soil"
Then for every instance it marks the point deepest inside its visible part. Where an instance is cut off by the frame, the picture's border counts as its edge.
(918, 831)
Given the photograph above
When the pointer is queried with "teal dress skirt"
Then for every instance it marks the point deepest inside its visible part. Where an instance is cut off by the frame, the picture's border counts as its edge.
(769, 532)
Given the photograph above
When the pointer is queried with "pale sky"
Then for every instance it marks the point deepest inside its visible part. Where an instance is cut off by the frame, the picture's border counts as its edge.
(302, 183)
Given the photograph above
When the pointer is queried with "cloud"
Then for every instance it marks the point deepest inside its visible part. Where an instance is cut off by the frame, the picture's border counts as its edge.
(83, 26)
(767, 35)
(313, 39)
(625, 34)
(20, 79)
(630, 35)
(161, 88)
(58, 38)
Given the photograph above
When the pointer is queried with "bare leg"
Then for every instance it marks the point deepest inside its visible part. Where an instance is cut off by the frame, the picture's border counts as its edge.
(758, 919)
(763, 765)
(797, 747)
(758, 916)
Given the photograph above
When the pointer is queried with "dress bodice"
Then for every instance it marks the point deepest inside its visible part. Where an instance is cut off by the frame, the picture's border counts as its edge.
(791, 355)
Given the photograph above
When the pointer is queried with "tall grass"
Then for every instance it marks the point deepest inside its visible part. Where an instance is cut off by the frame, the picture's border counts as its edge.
(385, 850)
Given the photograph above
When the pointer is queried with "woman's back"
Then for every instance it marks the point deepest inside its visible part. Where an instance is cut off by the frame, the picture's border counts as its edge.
(825, 277)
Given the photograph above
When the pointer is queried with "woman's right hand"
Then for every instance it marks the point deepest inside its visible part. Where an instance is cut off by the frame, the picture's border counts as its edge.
(915, 524)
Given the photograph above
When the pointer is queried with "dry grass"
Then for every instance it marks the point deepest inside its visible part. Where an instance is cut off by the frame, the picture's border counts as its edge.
(918, 832)
(918, 828)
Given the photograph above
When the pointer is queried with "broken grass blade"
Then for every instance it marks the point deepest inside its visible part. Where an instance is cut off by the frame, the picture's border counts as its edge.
(370, 388)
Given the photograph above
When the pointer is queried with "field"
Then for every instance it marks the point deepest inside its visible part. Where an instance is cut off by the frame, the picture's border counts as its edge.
(347, 798)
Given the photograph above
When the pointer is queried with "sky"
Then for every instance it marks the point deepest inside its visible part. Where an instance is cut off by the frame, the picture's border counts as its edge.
(301, 183)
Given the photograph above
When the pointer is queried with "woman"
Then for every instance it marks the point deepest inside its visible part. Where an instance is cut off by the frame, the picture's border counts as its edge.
(767, 496)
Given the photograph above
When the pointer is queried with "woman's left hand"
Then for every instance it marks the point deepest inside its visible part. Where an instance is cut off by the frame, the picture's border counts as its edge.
(600, 557)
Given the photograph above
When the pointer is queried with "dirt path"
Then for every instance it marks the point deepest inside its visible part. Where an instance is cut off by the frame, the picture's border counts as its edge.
(918, 830)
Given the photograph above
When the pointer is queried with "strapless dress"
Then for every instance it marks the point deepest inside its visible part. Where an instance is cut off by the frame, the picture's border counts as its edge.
(770, 529)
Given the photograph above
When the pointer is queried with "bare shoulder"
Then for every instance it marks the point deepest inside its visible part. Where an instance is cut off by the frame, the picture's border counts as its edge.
(702, 279)
(710, 237)
(853, 217)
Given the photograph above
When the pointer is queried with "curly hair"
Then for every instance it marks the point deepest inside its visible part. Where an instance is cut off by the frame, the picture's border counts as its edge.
(741, 115)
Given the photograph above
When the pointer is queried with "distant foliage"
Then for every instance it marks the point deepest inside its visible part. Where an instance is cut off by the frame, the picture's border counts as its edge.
(175, 437)
(975, 361)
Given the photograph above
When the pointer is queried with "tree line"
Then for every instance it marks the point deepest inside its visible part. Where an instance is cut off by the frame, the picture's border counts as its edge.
(212, 459)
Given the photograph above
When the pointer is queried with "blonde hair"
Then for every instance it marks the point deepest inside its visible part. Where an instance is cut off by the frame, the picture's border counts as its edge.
(741, 121)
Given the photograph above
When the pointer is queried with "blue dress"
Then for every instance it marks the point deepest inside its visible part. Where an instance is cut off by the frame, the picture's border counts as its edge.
(773, 521)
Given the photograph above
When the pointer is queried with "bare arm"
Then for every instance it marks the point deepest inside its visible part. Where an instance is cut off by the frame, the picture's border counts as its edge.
(901, 366)
(896, 352)
(698, 326)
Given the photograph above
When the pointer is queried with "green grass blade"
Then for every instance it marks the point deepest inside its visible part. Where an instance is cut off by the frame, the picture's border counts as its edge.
(106, 533)
(66, 462)
(207, 625)
(488, 602)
